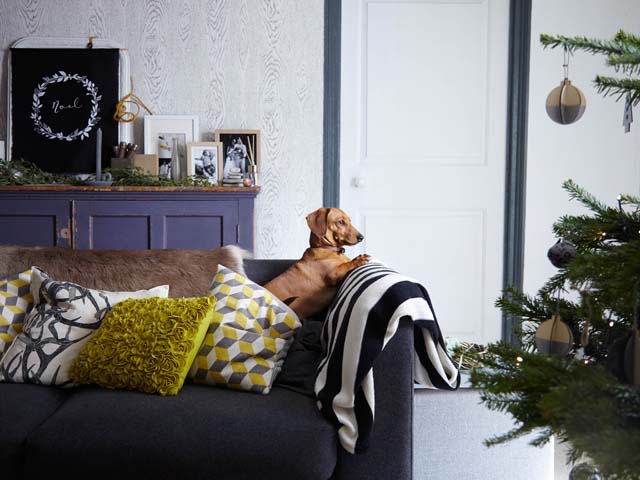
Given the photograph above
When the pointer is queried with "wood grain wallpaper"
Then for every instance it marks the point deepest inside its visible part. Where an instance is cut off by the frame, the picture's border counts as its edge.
(234, 63)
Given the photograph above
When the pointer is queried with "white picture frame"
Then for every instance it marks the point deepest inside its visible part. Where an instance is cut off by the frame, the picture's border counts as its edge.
(196, 151)
(184, 127)
(125, 130)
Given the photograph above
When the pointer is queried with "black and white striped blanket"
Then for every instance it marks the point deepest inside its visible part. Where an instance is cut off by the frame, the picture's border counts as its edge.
(362, 319)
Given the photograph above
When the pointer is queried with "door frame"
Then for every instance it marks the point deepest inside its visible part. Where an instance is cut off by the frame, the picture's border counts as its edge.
(516, 148)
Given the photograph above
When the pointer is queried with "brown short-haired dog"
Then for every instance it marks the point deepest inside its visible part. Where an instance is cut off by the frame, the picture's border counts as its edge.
(311, 283)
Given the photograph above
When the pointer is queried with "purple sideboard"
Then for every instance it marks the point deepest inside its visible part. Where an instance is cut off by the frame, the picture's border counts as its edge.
(127, 217)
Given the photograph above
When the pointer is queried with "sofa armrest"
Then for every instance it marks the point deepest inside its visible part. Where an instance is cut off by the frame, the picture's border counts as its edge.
(390, 453)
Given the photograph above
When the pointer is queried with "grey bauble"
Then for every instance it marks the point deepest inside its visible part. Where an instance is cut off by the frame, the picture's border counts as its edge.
(561, 253)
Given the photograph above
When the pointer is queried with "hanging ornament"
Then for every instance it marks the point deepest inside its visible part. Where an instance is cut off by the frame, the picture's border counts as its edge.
(584, 336)
(561, 253)
(566, 103)
(623, 354)
(554, 336)
(627, 117)
(584, 471)
(632, 357)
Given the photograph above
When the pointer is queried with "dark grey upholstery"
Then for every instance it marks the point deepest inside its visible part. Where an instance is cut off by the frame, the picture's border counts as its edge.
(206, 432)
(201, 433)
(22, 409)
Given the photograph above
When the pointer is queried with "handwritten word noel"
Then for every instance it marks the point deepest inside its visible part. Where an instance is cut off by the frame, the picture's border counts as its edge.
(57, 107)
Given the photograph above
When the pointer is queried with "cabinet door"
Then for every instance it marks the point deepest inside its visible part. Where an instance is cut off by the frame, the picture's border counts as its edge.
(35, 223)
(141, 225)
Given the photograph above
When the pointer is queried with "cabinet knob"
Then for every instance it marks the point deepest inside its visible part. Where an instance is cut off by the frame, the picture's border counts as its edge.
(359, 182)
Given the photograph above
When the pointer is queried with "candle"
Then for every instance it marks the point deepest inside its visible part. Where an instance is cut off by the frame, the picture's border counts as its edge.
(98, 155)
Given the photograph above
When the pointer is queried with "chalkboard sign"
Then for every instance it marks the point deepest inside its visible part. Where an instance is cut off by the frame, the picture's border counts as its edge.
(59, 98)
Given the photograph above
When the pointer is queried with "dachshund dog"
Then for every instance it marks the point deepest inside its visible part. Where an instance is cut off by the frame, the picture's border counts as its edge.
(310, 284)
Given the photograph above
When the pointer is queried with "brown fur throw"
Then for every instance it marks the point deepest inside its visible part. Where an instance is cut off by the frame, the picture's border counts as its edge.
(187, 272)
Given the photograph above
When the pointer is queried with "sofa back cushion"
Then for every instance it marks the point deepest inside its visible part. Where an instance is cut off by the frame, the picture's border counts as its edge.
(187, 272)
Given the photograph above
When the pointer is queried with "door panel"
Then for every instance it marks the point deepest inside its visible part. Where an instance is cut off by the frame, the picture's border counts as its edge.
(35, 223)
(423, 121)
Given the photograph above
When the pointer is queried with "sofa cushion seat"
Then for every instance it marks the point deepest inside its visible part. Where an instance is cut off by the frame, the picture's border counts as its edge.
(202, 433)
(22, 409)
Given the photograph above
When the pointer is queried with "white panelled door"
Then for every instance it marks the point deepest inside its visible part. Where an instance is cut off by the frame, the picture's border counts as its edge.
(423, 135)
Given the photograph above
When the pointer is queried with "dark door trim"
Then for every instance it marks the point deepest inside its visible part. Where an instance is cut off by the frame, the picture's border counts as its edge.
(331, 120)
(516, 151)
(516, 164)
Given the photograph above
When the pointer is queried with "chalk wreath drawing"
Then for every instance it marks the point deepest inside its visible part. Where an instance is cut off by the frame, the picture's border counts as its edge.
(60, 77)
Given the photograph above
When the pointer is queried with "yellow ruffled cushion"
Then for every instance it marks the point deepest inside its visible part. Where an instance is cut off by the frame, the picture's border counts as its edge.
(147, 345)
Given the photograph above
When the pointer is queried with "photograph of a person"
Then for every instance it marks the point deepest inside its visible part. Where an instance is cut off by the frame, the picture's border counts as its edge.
(240, 151)
(205, 159)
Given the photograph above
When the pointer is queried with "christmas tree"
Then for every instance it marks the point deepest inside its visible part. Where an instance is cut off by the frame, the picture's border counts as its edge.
(586, 396)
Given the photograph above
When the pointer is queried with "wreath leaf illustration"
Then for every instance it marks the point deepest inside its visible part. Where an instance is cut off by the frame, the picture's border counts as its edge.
(60, 77)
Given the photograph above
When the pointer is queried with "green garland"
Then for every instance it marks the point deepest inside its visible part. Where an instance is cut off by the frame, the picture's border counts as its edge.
(20, 172)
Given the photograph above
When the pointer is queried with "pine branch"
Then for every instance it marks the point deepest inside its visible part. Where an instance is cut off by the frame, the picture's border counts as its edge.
(578, 193)
(627, 62)
(625, 38)
(591, 45)
(619, 87)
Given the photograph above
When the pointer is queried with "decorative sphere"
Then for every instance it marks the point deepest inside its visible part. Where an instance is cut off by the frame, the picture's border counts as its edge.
(584, 471)
(554, 337)
(566, 103)
(561, 253)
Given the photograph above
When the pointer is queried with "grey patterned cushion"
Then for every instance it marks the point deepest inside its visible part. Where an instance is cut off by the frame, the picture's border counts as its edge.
(63, 318)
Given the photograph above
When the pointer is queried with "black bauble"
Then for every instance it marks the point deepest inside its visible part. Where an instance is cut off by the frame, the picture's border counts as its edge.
(562, 253)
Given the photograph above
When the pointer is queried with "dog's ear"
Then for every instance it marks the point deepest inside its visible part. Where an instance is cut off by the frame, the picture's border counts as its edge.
(317, 221)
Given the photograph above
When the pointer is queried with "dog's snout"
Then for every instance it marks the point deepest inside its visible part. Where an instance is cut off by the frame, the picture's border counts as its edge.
(360, 237)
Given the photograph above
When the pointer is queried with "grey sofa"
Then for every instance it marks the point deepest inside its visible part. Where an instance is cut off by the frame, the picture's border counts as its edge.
(204, 432)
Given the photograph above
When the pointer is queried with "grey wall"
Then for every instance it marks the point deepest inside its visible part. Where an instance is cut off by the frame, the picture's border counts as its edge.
(234, 63)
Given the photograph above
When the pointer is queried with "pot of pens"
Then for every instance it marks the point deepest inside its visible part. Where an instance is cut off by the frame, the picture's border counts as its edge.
(123, 155)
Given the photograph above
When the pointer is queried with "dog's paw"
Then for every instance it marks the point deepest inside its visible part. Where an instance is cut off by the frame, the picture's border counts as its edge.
(361, 260)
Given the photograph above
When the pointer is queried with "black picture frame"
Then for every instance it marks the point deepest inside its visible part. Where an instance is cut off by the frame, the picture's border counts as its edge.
(59, 99)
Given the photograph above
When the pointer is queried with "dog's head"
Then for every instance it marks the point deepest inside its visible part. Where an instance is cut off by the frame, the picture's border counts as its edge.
(333, 227)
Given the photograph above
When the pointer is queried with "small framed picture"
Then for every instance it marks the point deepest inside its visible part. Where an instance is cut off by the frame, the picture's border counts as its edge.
(240, 151)
(159, 134)
(205, 159)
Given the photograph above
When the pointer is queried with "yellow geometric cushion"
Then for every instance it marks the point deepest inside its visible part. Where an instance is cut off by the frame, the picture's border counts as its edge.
(15, 302)
(147, 345)
(249, 336)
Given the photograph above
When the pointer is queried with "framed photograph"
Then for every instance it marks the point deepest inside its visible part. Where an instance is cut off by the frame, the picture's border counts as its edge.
(205, 158)
(240, 149)
(159, 133)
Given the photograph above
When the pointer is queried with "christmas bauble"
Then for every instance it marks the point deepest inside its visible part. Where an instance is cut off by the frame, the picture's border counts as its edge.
(584, 471)
(561, 253)
(566, 103)
(554, 337)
